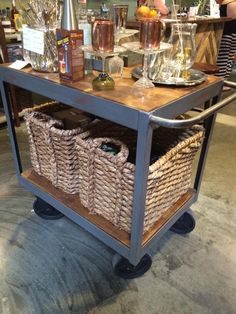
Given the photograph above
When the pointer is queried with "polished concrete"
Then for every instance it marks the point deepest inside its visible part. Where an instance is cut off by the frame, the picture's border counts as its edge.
(55, 267)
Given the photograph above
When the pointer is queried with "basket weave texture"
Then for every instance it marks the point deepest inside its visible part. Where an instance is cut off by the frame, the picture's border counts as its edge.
(106, 181)
(52, 149)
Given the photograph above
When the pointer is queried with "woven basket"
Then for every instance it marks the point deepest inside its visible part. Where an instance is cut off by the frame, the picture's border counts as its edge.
(52, 149)
(86, 144)
(107, 181)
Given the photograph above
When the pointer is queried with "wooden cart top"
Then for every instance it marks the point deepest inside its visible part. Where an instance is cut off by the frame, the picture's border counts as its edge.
(154, 98)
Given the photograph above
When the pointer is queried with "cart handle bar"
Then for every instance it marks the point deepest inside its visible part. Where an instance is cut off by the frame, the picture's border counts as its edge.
(175, 124)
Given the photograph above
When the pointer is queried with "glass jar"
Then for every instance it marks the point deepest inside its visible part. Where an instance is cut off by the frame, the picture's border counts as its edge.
(39, 36)
(47, 59)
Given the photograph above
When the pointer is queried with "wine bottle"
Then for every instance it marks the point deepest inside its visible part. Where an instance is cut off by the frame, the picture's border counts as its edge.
(110, 148)
(14, 14)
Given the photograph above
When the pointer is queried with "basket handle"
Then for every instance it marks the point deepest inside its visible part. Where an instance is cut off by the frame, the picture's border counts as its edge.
(118, 159)
(175, 124)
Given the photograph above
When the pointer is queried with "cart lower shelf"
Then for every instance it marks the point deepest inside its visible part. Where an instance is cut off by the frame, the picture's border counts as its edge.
(73, 202)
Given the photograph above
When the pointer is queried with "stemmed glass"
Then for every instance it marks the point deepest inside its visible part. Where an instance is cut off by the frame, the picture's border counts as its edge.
(120, 12)
(149, 43)
(103, 46)
(150, 38)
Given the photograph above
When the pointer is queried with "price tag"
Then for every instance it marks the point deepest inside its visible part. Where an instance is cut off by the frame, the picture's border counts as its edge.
(33, 40)
(214, 9)
(193, 11)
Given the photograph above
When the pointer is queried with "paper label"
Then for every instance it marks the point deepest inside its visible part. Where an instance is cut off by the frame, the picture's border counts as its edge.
(193, 11)
(33, 40)
(18, 64)
(214, 9)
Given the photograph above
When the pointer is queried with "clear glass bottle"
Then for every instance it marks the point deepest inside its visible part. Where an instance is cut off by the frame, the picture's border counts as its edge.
(86, 27)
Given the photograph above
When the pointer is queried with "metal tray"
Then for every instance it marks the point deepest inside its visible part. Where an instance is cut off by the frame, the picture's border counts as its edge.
(196, 77)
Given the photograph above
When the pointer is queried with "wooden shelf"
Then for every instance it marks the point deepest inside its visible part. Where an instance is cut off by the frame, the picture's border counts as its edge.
(166, 95)
(73, 202)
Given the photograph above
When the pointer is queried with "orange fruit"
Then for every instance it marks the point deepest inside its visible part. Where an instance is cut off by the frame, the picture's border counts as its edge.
(153, 13)
(143, 11)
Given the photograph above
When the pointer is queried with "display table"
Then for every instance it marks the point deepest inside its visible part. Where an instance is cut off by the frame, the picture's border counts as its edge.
(208, 36)
(122, 107)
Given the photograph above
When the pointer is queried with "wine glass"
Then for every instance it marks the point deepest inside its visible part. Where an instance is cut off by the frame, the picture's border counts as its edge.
(120, 12)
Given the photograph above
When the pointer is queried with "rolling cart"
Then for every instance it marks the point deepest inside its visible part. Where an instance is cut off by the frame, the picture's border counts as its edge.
(159, 107)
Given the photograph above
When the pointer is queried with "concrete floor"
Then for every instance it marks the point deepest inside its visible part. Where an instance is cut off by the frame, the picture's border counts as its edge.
(55, 267)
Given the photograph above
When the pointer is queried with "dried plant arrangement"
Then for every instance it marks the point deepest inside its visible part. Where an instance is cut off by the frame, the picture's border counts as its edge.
(43, 16)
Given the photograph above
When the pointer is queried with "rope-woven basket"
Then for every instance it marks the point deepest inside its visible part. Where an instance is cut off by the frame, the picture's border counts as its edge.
(107, 181)
(52, 148)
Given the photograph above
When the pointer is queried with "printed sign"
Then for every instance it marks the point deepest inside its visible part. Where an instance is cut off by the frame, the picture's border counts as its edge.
(214, 9)
(193, 11)
(33, 40)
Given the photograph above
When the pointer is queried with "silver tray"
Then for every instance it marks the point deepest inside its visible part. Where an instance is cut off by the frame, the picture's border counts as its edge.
(196, 77)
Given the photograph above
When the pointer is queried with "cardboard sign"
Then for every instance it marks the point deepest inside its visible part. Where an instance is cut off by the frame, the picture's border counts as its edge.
(70, 56)
(33, 40)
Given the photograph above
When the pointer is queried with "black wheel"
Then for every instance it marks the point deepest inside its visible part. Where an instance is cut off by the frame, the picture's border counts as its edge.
(124, 269)
(185, 224)
(46, 211)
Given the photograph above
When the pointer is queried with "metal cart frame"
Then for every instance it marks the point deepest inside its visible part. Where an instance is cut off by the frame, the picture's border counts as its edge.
(143, 122)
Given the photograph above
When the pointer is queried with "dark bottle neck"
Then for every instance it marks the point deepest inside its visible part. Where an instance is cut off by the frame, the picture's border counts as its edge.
(13, 7)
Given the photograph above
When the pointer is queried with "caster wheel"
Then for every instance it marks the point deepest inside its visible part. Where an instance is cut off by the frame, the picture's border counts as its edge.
(46, 211)
(124, 269)
(185, 224)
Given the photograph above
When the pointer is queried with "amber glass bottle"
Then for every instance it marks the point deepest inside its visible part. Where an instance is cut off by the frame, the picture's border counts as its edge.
(14, 14)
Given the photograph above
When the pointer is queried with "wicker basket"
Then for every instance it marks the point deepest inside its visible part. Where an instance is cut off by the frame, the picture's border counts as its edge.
(106, 182)
(86, 145)
(52, 148)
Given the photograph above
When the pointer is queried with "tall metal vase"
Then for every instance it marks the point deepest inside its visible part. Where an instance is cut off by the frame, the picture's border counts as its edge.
(69, 21)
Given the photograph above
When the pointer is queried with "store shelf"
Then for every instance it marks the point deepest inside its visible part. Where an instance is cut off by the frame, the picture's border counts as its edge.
(72, 201)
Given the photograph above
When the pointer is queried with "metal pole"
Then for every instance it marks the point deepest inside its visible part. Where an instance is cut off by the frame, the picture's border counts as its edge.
(144, 142)
(11, 128)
